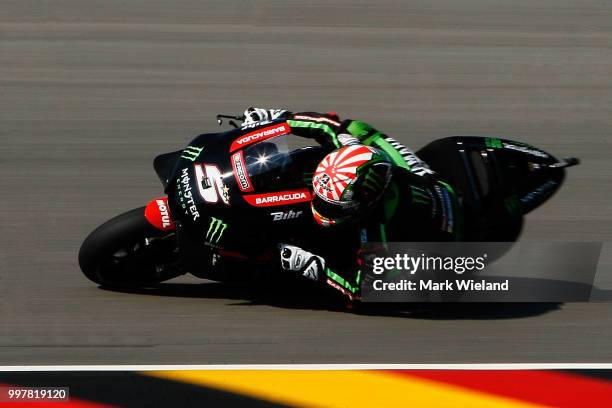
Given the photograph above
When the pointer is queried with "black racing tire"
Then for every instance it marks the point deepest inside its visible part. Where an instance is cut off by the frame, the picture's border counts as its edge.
(114, 254)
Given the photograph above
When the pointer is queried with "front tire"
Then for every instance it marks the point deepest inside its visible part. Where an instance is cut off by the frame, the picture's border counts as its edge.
(128, 252)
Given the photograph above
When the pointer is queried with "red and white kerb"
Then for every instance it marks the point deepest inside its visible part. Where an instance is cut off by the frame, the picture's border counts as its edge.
(337, 170)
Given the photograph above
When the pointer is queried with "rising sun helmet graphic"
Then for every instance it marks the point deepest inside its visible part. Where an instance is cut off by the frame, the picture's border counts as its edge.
(348, 182)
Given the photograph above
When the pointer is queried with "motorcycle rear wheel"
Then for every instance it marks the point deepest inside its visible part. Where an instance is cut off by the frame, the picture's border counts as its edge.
(128, 252)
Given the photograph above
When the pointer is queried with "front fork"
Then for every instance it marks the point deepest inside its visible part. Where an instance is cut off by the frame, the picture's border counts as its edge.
(193, 257)
(157, 213)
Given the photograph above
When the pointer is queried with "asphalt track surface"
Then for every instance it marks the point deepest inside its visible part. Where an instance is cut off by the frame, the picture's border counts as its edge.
(91, 91)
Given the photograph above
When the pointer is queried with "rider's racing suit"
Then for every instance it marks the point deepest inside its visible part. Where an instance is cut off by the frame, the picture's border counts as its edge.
(417, 206)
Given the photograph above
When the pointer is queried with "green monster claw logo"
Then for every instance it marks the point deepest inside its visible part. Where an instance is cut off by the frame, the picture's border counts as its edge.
(373, 180)
(513, 205)
(215, 230)
(191, 152)
(419, 195)
(493, 143)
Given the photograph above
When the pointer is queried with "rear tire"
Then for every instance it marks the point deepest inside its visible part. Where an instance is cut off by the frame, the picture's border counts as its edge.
(128, 252)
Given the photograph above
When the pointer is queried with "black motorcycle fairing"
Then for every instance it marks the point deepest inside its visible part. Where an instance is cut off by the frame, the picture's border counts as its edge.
(165, 165)
(214, 216)
(493, 170)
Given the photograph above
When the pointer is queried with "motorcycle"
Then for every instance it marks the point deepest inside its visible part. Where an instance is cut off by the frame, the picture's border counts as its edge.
(232, 197)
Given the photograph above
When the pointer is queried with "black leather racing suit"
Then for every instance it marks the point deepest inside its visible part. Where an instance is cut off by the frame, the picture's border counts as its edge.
(417, 206)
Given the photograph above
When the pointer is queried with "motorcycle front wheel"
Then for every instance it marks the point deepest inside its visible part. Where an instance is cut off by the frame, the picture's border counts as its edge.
(128, 252)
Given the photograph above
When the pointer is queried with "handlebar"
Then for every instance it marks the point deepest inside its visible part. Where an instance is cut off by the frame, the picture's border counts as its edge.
(232, 120)
(567, 162)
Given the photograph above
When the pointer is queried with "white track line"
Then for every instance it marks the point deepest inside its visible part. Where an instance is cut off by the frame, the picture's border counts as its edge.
(506, 366)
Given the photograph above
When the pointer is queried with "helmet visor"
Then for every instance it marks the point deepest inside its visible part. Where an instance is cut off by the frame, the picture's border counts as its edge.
(334, 211)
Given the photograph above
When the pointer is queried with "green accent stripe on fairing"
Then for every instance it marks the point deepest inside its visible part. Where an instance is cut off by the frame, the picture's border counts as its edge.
(340, 280)
(325, 128)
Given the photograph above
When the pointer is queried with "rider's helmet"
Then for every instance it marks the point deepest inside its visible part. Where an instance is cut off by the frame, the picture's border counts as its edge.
(349, 183)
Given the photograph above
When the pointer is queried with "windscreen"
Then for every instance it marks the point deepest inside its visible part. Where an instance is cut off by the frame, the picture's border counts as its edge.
(272, 165)
(267, 162)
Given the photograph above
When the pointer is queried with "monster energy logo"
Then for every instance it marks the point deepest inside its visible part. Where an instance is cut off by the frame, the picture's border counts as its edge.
(191, 152)
(493, 143)
(215, 230)
(512, 204)
(373, 180)
(419, 195)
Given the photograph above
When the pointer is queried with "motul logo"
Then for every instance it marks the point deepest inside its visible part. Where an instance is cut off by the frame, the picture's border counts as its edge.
(279, 198)
(158, 214)
(260, 135)
(163, 211)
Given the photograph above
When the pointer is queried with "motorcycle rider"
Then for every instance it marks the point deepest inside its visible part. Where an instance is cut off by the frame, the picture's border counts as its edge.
(369, 188)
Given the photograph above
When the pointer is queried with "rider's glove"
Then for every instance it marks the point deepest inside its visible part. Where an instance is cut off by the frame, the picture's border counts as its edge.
(307, 264)
(253, 115)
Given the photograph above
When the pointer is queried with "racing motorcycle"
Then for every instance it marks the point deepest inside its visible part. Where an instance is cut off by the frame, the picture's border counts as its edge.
(231, 197)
